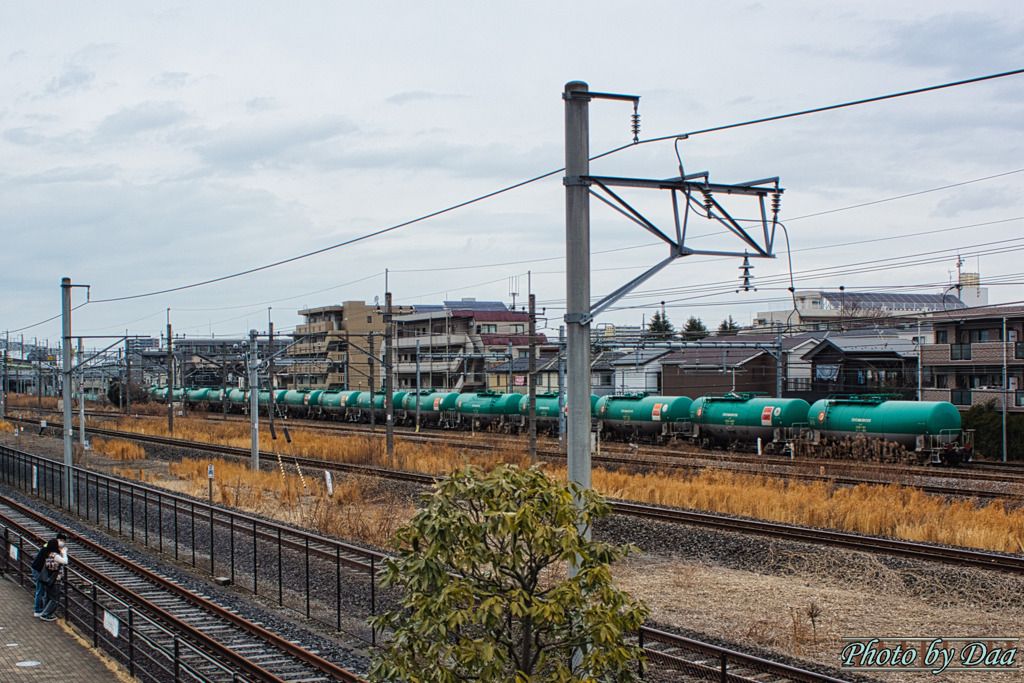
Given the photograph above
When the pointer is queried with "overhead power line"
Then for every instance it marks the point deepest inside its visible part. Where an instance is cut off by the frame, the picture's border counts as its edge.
(523, 183)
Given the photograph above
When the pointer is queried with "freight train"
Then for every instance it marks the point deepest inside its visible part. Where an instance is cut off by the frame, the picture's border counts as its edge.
(872, 427)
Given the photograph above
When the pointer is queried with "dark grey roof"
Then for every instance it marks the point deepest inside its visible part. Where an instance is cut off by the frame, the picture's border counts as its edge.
(710, 357)
(873, 345)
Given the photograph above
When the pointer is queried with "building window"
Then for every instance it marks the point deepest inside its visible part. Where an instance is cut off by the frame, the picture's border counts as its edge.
(489, 329)
(941, 336)
(959, 397)
(960, 352)
(1018, 351)
(369, 318)
(975, 336)
(517, 329)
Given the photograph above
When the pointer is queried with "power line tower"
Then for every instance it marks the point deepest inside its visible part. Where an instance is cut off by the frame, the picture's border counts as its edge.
(691, 194)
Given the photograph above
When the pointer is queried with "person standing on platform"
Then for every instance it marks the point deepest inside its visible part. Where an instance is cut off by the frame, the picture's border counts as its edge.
(57, 547)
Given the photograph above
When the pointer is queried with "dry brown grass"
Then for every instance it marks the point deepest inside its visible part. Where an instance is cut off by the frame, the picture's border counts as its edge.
(31, 401)
(895, 511)
(6, 426)
(358, 450)
(359, 509)
(118, 450)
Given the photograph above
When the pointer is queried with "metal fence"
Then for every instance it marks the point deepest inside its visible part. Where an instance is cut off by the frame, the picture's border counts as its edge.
(318, 577)
(669, 655)
(149, 650)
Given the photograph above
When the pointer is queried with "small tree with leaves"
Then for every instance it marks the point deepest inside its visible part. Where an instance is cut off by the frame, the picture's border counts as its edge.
(694, 329)
(660, 329)
(728, 328)
(485, 597)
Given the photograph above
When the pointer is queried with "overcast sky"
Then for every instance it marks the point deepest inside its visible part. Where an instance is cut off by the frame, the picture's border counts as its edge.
(150, 145)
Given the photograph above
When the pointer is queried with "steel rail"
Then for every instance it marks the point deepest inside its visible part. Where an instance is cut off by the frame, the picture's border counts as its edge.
(256, 630)
(962, 556)
(419, 478)
(873, 544)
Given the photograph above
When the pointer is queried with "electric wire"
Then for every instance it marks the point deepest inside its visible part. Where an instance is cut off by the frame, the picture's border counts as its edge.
(542, 176)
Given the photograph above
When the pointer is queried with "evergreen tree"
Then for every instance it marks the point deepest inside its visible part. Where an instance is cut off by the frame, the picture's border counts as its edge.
(694, 329)
(660, 328)
(480, 602)
(728, 328)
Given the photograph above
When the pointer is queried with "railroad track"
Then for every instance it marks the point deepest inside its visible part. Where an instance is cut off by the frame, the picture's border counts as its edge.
(873, 544)
(1009, 477)
(668, 654)
(833, 472)
(208, 639)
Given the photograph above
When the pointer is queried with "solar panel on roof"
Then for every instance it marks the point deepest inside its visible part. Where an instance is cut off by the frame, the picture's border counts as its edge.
(885, 300)
(475, 306)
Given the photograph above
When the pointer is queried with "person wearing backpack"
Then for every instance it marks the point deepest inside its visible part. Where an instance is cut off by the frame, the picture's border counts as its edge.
(46, 569)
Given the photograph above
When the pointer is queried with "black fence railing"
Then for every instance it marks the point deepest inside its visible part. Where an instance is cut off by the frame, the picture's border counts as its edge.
(147, 648)
(320, 578)
(672, 655)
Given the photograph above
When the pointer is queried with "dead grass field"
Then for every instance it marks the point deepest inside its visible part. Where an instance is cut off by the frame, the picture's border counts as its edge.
(891, 510)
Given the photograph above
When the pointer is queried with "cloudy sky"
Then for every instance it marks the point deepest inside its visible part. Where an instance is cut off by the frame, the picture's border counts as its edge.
(150, 146)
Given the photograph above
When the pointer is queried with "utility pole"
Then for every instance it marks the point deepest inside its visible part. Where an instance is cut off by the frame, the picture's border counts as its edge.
(561, 385)
(270, 372)
(39, 367)
(1006, 395)
(224, 389)
(531, 380)
(128, 371)
(577, 292)
(511, 363)
(418, 397)
(3, 388)
(778, 362)
(389, 426)
(254, 401)
(170, 378)
(369, 361)
(65, 300)
(81, 396)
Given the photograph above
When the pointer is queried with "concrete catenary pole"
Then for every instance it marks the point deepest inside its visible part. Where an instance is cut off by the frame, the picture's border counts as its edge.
(81, 395)
(369, 360)
(254, 401)
(531, 380)
(389, 424)
(418, 386)
(270, 371)
(1006, 395)
(577, 286)
(3, 385)
(65, 300)
(561, 385)
(170, 378)
(128, 372)
(39, 366)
